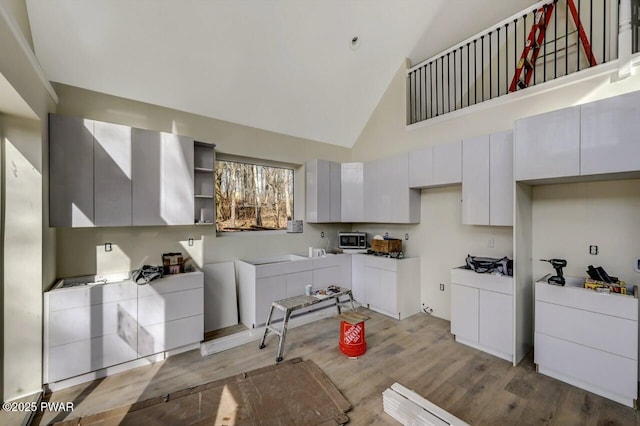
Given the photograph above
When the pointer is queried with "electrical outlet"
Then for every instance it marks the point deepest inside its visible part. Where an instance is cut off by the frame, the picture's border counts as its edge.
(593, 250)
(190, 241)
(322, 234)
(107, 247)
(636, 264)
(441, 287)
(491, 243)
(406, 236)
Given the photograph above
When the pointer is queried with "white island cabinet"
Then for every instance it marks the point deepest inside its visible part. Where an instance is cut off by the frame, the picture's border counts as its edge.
(587, 339)
(265, 280)
(482, 312)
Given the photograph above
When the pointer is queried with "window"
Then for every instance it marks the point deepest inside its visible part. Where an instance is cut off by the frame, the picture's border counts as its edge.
(252, 197)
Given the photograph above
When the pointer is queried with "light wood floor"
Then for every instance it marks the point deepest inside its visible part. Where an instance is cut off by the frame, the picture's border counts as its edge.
(418, 352)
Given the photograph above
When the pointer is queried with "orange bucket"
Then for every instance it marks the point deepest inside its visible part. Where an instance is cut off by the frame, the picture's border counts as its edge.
(352, 342)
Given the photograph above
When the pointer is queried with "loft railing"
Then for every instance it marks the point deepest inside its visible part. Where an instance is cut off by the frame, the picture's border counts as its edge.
(483, 67)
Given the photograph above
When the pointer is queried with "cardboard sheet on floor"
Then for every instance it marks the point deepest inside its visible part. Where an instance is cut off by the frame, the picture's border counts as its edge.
(292, 392)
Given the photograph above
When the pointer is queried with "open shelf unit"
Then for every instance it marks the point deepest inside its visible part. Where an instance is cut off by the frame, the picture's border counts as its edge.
(204, 183)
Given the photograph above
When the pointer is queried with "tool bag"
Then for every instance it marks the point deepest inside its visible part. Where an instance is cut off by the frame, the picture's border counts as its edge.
(483, 265)
(146, 274)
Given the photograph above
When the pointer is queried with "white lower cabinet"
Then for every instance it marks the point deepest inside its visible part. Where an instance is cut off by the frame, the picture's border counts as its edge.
(482, 311)
(170, 313)
(390, 286)
(88, 328)
(263, 281)
(587, 339)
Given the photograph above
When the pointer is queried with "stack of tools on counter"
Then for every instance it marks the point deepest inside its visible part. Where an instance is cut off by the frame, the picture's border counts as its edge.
(599, 280)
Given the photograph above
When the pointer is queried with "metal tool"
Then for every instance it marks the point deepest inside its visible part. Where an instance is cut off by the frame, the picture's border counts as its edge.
(558, 264)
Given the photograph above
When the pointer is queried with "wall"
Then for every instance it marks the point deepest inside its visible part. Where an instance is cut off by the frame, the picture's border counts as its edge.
(28, 246)
(568, 218)
(443, 241)
(81, 251)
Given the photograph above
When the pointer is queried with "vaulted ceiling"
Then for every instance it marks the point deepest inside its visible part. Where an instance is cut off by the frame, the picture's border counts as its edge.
(288, 66)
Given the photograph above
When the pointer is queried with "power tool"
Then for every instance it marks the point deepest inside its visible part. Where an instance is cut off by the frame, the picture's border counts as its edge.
(558, 264)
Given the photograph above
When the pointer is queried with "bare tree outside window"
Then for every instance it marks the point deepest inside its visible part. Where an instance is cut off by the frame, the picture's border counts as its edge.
(252, 197)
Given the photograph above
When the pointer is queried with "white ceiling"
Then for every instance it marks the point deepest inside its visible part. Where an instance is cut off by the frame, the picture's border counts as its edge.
(280, 65)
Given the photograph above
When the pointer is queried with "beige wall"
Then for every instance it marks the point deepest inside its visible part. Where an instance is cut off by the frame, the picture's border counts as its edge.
(568, 218)
(81, 251)
(442, 241)
(18, 9)
(28, 246)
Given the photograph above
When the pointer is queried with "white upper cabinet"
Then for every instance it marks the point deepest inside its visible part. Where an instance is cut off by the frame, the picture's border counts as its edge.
(387, 196)
(70, 172)
(437, 165)
(447, 164)
(487, 180)
(421, 168)
(162, 178)
(323, 189)
(352, 192)
(112, 174)
(548, 145)
(475, 181)
(610, 135)
(501, 179)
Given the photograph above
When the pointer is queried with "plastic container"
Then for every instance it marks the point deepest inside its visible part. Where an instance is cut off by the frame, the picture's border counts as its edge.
(352, 342)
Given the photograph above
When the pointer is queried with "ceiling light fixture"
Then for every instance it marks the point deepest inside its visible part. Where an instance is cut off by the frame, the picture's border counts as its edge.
(355, 42)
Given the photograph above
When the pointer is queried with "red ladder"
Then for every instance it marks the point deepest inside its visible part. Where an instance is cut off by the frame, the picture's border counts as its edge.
(535, 42)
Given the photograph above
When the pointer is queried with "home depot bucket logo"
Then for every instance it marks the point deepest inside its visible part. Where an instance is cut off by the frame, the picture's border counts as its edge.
(353, 334)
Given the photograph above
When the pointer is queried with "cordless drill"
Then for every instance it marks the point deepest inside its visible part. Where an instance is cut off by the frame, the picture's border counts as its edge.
(558, 264)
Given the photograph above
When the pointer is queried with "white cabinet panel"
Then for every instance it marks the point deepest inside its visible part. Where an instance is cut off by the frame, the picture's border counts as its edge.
(147, 171)
(72, 325)
(501, 179)
(358, 278)
(112, 174)
(81, 357)
(392, 286)
(75, 297)
(464, 312)
(447, 164)
(476, 181)
(496, 322)
(297, 282)
(388, 288)
(352, 192)
(162, 178)
(548, 145)
(169, 306)
(268, 290)
(372, 209)
(421, 168)
(437, 165)
(610, 135)
(170, 335)
(177, 180)
(323, 189)
(70, 172)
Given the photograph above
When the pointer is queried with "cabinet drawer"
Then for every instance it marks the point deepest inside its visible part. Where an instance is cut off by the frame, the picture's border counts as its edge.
(76, 297)
(385, 263)
(281, 268)
(72, 325)
(610, 334)
(161, 308)
(577, 297)
(81, 357)
(600, 372)
(170, 335)
(173, 283)
(489, 282)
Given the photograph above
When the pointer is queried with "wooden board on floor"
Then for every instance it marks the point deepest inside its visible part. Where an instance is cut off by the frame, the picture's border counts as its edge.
(292, 392)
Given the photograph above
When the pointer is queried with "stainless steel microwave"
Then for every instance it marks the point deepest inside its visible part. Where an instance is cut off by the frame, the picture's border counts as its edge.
(352, 240)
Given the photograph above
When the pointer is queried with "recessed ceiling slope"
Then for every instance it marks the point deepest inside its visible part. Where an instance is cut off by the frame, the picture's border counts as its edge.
(282, 65)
